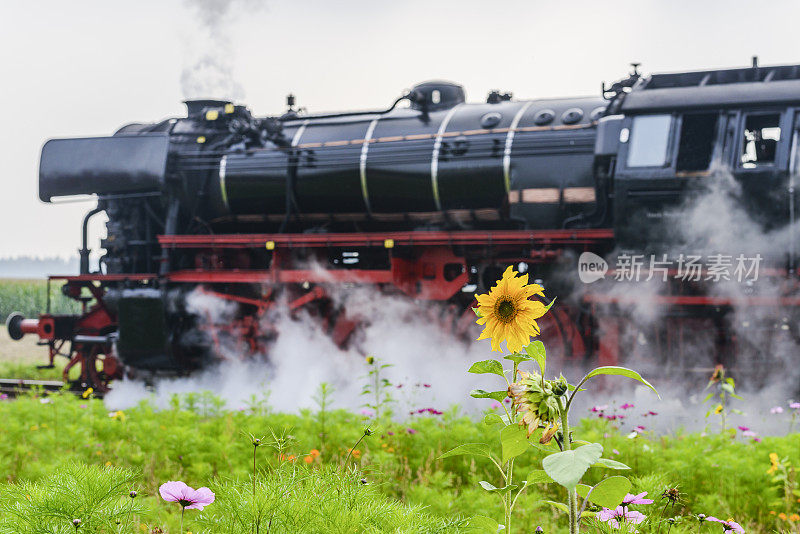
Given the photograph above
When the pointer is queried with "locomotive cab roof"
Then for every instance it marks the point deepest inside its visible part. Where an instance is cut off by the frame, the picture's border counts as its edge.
(778, 84)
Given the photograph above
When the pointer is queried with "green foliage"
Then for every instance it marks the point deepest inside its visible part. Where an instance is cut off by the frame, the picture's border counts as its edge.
(377, 389)
(74, 498)
(298, 500)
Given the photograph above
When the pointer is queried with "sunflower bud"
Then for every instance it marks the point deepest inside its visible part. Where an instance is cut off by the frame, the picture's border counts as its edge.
(536, 399)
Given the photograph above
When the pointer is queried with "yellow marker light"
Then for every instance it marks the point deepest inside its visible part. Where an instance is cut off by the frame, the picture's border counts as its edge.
(388, 243)
(270, 245)
(212, 115)
(201, 139)
(229, 108)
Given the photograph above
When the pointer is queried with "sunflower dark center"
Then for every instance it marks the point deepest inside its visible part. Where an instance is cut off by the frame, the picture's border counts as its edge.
(505, 310)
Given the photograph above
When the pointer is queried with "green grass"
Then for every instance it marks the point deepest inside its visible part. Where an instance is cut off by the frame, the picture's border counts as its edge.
(203, 444)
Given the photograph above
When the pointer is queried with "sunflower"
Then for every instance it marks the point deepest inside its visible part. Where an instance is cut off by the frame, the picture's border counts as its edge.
(508, 312)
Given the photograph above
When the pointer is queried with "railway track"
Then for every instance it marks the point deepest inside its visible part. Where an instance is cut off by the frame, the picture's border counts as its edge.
(16, 386)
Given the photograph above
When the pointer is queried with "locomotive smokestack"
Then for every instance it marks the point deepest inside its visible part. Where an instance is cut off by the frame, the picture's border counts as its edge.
(755, 62)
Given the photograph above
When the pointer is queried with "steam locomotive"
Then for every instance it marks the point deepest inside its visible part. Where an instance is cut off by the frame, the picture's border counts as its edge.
(430, 198)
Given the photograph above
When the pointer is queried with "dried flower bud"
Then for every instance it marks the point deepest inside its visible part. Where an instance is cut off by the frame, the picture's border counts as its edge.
(256, 442)
(76, 522)
(363, 481)
(701, 517)
(133, 494)
(370, 360)
(539, 529)
(367, 432)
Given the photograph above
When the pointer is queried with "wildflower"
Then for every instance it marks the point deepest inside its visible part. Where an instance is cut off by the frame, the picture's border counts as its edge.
(782, 516)
(87, 392)
(718, 409)
(626, 406)
(133, 494)
(83, 406)
(729, 526)
(364, 481)
(117, 416)
(45, 401)
(776, 409)
(650, 412)
(636, 499)
(367, 413)
(508, 312)
(615, 451)
(743, 428)
(3, 396)
(536, 399)
(794, 405)
(314, 452)
(749, 434)
(717, 375)
(673, 495)
(775, 463)
(426, 385)
(308, 459)
(495, 405)
(370, 360)
(612, 516)
(794, 517)
(411, 431)
(186, 496)
(76, 522)
(355, 452)
(602, 408)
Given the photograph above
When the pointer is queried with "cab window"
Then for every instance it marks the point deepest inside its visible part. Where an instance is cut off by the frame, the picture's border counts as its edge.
(649, 141)
(696, 145)
(760, 139)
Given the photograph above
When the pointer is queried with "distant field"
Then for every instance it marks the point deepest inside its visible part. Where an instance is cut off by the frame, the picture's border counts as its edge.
(18, 359)
(30, 298)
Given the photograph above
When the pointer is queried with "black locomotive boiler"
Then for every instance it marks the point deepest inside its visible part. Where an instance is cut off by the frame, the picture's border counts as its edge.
(429, 198)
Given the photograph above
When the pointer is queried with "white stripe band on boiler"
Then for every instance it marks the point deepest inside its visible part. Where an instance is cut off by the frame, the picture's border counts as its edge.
(362, 163)
(509, 142)
(437, 145)
(299, 133)
(223, 163)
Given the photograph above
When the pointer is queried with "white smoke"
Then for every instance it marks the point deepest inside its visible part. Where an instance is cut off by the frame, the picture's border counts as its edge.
(210, 73)
(427, 364)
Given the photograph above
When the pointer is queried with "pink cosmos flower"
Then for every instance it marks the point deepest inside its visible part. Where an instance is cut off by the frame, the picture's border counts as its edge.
(367, 413)
(776, 409)
(794, 405)
(626, 406)
(744, 428)
(729, 526)
(630, 498)
(187, 497)
(612, 516)
(3, 397)
(615, 451)
(495, 406)
(749, 434)
(411, 431)
(602, 408)
(650, 412)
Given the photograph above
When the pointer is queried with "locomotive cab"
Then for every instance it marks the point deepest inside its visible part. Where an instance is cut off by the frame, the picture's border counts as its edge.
(731, 132)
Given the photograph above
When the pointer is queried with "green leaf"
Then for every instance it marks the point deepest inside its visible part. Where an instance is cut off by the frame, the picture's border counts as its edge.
(610, 464)
(487, 366)
(608, 493)
(513, 441)
(622, 371)
(492, 419)
(483, 394)
(560, 505)
(537, 351)
(492, 489)
(568, 467)
(539, 477)
(470, 449)
(518, 358)
(728, 388)
(708, 396)
(484, 525)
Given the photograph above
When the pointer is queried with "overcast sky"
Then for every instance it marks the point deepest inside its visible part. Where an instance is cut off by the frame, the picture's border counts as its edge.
(86, 67)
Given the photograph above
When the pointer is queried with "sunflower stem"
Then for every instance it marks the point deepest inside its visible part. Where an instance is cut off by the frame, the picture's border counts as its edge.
(571, 493)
